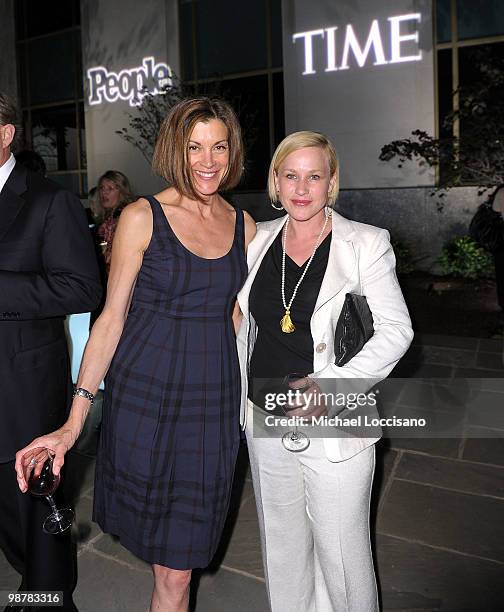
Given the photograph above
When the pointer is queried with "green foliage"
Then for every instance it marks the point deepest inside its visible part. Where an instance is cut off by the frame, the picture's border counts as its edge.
(143, 126)
(461, 256)
(405, 262)
(476, 157)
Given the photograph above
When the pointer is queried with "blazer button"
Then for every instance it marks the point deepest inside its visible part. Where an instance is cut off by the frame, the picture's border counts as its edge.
(320, 348)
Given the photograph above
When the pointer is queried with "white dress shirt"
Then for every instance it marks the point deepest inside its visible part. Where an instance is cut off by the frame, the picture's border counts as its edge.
(5, 170)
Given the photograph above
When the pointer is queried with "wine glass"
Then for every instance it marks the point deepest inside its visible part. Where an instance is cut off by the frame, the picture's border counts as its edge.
(295, 440)
(42, 482)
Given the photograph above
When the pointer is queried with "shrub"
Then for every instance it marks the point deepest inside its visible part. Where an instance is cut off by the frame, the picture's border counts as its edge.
(461, 256)
(405, 262)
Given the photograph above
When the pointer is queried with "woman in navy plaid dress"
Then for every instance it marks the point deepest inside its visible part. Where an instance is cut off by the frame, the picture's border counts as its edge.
(170, 431)
(170, 417)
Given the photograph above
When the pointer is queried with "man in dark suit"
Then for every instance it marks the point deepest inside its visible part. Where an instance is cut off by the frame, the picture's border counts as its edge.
(47, 270)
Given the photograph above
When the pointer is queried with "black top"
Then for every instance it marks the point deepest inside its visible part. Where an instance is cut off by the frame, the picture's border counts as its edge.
(276, 353)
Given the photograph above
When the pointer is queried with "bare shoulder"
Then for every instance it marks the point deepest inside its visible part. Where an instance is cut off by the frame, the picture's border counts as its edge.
(137, 211)
(167, 197)
(226, 205)
(136, 223)
(249, 220)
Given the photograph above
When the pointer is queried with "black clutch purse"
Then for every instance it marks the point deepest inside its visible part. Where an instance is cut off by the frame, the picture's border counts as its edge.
(354, 328)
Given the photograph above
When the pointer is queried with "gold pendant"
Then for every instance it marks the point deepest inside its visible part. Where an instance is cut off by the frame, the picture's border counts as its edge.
(286, 323)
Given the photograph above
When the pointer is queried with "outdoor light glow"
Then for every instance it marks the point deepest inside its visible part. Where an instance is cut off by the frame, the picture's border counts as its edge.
(351, 44)
(129, 84)
(396, 39)
(308, 48)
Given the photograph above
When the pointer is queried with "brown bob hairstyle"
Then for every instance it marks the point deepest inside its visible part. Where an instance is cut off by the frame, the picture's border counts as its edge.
(171, 152)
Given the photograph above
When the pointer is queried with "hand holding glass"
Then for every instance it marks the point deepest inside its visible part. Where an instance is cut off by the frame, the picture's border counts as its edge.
(38, 473)
(295, 440)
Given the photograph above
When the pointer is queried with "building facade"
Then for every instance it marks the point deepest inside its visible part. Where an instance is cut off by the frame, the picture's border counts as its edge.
(364, 73)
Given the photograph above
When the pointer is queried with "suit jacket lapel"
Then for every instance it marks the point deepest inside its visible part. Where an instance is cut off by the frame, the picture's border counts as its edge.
(11, 200)
(340, 267)
(342, 260)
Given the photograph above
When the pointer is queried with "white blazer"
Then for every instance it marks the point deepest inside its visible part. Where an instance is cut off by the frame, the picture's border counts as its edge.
(361, 260)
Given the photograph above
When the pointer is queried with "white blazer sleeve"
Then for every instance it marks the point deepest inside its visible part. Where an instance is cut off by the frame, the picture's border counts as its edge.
(393, 332)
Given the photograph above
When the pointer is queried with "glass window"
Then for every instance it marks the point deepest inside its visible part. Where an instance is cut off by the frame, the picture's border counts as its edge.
(477, 60)
(476, 68)
(70, 181)
(51, 68)
(19, 12)
(445, 87)
(76, 12)
(186, 39)
(480, 18)
(230, 39)
(443, 20)
(25, 141)
(54, 137)
(445, 102)
(45, 17)
(83, 160)
(79, 78)
(276, 33)
(278, 108)
(23, 72)
(217, 40)
(481, 98)
(249, 98)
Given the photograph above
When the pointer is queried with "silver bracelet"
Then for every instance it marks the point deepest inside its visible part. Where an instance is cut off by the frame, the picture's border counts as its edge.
(84, 393)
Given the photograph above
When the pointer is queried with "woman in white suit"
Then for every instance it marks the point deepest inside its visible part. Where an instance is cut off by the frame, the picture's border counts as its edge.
(313, 505)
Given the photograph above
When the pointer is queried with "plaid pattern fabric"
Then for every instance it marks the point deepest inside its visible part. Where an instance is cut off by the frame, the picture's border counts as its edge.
(170, 430)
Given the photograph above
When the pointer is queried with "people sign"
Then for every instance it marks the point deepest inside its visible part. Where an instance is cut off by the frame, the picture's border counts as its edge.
(129, 84)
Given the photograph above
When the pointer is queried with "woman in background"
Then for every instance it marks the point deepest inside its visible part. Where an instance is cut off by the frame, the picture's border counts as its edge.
(114, 193)
(94, 210)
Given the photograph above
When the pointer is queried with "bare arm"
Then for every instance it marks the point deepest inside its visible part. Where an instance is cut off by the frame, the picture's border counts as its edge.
(131, 239)
(250, 232)
(237, 317)
(250, 229)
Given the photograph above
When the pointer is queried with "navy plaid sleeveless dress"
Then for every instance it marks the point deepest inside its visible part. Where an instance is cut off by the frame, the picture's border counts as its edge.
(170, 430)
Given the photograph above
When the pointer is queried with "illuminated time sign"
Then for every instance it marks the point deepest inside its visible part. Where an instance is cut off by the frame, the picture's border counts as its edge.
(130, 84)
(373, 45)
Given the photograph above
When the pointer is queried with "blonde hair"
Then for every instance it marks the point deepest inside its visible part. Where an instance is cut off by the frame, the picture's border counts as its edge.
(122, 183)
(300, 140)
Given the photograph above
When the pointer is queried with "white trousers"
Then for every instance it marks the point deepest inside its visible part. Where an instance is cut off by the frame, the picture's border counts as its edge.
(314, 524)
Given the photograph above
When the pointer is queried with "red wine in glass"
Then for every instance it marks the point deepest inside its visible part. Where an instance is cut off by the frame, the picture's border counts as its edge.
(42, 482)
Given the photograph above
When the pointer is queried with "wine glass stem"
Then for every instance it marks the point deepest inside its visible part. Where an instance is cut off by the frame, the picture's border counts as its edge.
(56, 513)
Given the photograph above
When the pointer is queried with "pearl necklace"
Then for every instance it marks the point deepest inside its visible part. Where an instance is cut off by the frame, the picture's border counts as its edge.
(286, 323)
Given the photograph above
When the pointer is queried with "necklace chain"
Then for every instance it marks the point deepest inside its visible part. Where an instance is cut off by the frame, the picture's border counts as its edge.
(284, 238)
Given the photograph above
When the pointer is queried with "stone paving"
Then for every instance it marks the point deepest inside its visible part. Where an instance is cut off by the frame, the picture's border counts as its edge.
(438, 510)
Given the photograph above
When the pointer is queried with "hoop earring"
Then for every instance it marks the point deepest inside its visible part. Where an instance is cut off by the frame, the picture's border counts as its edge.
(277, 207)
